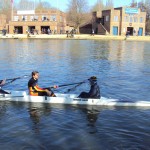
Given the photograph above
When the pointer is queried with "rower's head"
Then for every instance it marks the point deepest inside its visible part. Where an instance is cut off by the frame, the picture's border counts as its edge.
(92, 80)
(35, 74)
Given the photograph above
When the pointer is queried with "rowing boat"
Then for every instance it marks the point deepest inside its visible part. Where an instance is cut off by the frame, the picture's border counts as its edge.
(72, 99)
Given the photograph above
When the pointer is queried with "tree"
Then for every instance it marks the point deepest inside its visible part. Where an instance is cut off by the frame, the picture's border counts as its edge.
(109, 4)
(133, 3)
(76, 13)
(26, 5)
(99, 6)
(32, 4)
(43, 5)
(5, 8)
(147, 6)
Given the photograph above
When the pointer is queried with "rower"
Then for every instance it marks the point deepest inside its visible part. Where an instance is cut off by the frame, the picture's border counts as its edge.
(2, 84)
(35, 90)
(94, 90)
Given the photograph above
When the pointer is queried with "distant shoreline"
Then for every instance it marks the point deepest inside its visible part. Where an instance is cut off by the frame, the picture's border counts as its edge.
(76, 37)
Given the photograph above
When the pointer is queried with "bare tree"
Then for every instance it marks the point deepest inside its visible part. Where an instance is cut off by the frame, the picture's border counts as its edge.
(99, 6)
(32, 4)
(43, 5)
(147, 6)
(5, 8)
(77, 10)
(109, 4)
(133, 3)
(26, 5)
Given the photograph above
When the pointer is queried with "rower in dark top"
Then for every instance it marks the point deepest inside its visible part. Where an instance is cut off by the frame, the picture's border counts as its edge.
(35, 90)
(94, 90)
(2, 84)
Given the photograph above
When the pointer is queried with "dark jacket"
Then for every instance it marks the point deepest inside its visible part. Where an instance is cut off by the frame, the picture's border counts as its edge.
(94, 91)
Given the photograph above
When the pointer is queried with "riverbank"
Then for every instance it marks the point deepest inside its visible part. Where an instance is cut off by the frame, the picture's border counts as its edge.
(76, 37)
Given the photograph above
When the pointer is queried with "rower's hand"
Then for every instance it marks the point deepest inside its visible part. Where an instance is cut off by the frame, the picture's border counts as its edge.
(55, 86)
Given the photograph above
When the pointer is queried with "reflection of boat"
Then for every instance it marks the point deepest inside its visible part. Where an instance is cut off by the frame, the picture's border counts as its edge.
(22, 96)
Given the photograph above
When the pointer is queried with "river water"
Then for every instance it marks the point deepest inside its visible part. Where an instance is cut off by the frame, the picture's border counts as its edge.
(123, 72)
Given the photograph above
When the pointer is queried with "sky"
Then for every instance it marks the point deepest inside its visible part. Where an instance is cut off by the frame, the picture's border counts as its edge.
(63, 4)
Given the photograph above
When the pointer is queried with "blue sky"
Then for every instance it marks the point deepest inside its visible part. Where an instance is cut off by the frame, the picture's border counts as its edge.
(62, 4)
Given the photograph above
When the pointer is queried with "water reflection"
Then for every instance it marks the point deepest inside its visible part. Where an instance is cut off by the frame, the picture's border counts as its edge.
(36, 113)
(92, 115)
(3, 109)
(35, 118)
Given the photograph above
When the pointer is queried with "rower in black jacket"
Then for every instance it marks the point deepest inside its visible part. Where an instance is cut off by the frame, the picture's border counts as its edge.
(94, 90)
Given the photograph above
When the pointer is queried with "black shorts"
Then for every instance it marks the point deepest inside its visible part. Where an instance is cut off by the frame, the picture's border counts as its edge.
(42, 94)
(45, 94)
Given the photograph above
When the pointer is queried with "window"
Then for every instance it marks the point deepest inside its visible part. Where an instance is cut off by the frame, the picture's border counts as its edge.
(116, 18)
(16, 18)
(141, 19)
(131, 19)
(24, 18)
(126, 19)
(53, 18)
(135, 19)
(44, 18)
(31, 18)
(36, 18)
(107, 18)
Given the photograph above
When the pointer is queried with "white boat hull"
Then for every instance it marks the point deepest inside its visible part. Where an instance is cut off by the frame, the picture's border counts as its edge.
(69, 99)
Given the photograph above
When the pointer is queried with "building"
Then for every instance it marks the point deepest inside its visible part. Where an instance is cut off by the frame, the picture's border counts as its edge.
(38, 22)
(86, 28)
(119, 21)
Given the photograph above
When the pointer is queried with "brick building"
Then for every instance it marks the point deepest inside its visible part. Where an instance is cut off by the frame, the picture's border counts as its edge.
(119, 21)
(39, 22)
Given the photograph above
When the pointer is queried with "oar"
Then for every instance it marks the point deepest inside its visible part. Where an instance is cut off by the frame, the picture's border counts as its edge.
(68, 84)
(13, 79)
(74, 87)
